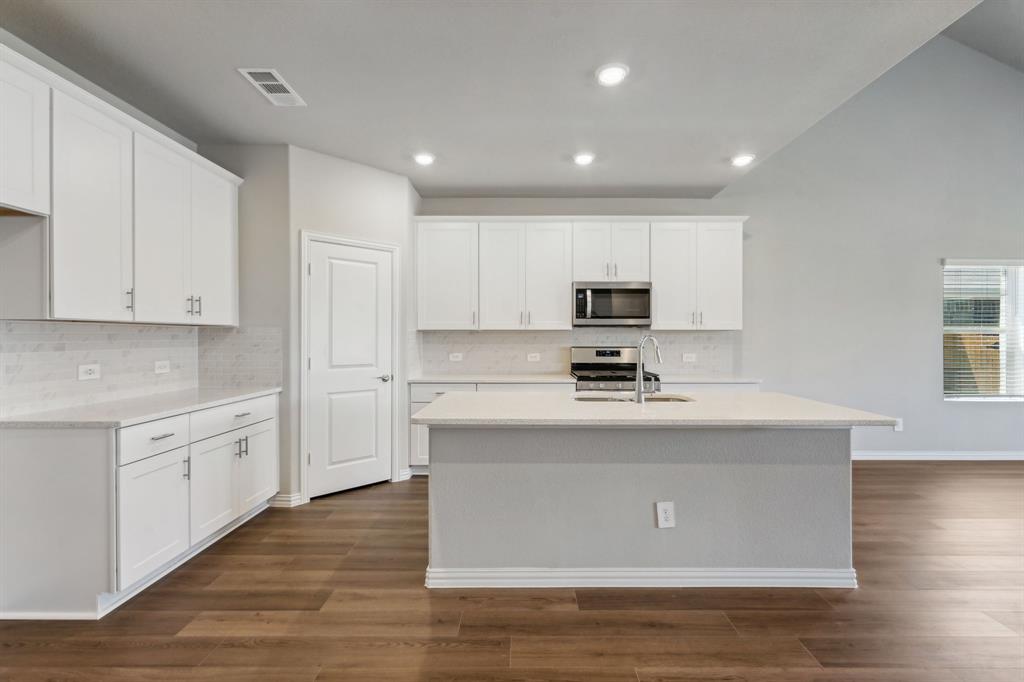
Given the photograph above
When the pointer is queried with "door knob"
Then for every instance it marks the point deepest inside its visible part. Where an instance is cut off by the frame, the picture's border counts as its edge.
(385, 378)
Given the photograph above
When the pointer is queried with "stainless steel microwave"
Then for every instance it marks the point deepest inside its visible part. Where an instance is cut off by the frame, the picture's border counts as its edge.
(612, 304)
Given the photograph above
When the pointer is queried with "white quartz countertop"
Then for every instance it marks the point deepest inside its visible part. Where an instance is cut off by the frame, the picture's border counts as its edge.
(549, 378)
(722, 409)
(120, 413)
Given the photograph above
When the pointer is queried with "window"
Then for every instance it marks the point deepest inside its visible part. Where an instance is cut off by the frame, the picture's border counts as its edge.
(983, 330)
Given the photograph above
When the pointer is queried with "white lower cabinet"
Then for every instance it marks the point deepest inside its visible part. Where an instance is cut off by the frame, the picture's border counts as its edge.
(152, 513)
(213, 493)
(257, 479)
(419, 440)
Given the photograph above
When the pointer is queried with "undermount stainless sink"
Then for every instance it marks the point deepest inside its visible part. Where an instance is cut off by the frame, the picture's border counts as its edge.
(628, 398)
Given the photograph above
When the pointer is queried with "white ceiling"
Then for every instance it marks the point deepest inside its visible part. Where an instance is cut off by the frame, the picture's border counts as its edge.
(995, 27)
(502, 91)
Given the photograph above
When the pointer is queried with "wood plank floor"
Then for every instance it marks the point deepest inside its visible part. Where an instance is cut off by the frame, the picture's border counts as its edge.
(333, 591)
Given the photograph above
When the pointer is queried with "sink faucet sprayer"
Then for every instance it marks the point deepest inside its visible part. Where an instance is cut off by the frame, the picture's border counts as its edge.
(640, 364)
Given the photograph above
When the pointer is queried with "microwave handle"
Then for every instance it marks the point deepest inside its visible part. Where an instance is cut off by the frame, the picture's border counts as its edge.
(590, 306)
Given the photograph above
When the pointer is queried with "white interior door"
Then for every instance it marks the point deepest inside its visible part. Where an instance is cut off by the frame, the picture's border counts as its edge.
(350, 396)
(549, 276)
(501, 276)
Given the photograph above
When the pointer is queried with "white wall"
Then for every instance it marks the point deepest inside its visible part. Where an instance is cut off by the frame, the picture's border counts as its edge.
(847, 227)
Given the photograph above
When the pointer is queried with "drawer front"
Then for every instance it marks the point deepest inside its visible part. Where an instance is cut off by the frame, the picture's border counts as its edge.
(425, 393)
(145, 440)
(528, 388)
(218, 420)
(710, 388)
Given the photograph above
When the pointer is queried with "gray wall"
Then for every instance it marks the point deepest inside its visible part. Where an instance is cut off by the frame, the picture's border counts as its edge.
(848, 225)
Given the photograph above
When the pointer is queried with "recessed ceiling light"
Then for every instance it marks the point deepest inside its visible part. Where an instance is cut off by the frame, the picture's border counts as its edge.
(741, 160)
(424, 158)
(612, 74)
(583, 159)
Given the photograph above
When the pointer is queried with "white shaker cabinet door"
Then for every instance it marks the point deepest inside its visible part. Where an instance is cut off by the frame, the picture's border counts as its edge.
(152, 506)
(213, 494)
(720, 275)
(592, 259)
(549, 276)
(257, 480)
(24, 141)
(447, 261)
(162, 234)
(502, 267)
(674, 275)
(214, 248)
(91, 226)
(631, 252)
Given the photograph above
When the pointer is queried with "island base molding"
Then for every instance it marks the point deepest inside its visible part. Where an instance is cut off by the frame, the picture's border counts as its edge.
(640, 577)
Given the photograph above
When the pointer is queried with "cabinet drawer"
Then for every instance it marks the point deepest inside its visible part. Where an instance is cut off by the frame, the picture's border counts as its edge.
(425, 393)
(217, 420)
(528, 388)
(145, 440)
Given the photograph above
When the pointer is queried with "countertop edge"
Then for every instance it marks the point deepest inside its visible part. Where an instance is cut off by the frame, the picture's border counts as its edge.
(563, 379)
(644, 423)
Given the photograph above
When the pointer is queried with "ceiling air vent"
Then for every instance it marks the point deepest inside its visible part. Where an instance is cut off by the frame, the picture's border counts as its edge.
(273, 87)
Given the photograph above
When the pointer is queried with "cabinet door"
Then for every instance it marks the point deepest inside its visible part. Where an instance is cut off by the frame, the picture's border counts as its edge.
(214, 248)
(591, 252)
(447, 275)
(631, 252)
(213, 494)
(91, 251)
(24, 141)
(419, 439)
(720, 275)
(162, 215)
(502, 267)
(549, 276)
(258, 471)
(152, 514)
(674, 276)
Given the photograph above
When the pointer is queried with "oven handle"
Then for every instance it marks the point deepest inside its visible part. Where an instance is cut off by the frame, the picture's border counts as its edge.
(590, 305)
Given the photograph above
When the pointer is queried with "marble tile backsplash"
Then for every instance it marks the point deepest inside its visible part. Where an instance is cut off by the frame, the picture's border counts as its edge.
(493, 352)
(240, 357)
(39, 363)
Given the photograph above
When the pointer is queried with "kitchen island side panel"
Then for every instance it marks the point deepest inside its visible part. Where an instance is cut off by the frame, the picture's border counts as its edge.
(578, 498)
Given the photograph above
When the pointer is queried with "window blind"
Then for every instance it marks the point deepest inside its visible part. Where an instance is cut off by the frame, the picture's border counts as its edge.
(983, 330)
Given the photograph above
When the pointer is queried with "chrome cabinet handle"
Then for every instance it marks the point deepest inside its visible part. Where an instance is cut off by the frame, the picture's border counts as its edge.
(700, 320)
(529, 318)
(474, 317)
(242, 414)
(616, 270)
(607, 269)
(199, 306)
(385, 378)
(191, 305)
(188, 468)
(693, 319)
(162, 436)
(131, 299)
(245, 439)
(238, 448)
(520, 318)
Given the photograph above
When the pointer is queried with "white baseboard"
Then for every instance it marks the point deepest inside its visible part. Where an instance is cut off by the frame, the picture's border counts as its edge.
(938, 455)
(420, 470)
(641, 577)
(403, 475)
(285, 500)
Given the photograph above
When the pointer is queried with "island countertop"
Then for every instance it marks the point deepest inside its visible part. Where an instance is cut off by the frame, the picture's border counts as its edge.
(714, 409)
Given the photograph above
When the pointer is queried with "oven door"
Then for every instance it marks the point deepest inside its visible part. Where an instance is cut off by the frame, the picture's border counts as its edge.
(612, 304)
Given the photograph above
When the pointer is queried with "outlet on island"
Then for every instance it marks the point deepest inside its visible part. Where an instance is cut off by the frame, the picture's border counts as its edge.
(666, 514)
(455, 357)
(89, 372)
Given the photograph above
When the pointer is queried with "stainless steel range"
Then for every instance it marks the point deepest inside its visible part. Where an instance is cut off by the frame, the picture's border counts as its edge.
(608, 368)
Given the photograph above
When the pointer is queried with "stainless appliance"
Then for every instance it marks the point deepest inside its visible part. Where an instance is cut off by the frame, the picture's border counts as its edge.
(612, 304)
(608, 368)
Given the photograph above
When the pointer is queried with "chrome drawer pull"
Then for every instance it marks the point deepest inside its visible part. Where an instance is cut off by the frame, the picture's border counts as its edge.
(243, 414)
(166, 435)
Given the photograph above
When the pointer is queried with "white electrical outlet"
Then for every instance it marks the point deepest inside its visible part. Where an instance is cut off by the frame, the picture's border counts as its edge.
(533, 357)
(689, 357)
(89, 372)
(162, 367)
(455, 357)
(899, 424)
(666, 514)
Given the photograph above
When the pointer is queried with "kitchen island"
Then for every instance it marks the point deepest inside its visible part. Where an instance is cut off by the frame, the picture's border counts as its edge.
(544, 490)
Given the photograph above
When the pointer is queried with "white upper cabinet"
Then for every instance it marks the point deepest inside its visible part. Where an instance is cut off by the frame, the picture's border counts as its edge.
(502, 271)
(720, 275)
(91, 227)
(24, 141)
(616, 252)
(213, 266)
(631, 252)
(674, 275)
(447, 266)
(549, 276)
(162, 233)
(697, 275)
(592, 252)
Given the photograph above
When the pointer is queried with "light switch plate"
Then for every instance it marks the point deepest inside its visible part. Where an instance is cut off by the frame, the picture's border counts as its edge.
(455, 357)
(533, 357)
(89, 372)
(689, 357)
(666, 514)
(162, 367)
